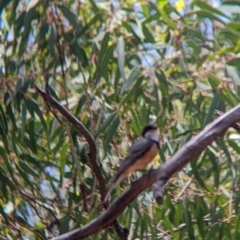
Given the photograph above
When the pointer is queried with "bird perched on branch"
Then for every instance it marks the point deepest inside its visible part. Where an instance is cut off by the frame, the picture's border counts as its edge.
(142, 152)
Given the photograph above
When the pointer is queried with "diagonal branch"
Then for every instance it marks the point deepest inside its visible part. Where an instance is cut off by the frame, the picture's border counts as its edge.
(235, 125)
(190, 151)
(81, 128)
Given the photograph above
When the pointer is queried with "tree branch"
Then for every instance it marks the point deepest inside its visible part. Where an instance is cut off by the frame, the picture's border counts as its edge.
(81, 128)
(235, 125)
(190, 151)
(122, 234)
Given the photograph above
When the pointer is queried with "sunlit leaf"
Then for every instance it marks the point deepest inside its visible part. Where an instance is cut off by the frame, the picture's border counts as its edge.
(104, 55)
(32, 4)
(121, 57)
(180, 4)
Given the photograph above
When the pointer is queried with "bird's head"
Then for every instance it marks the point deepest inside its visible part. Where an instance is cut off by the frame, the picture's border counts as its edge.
(151, 131)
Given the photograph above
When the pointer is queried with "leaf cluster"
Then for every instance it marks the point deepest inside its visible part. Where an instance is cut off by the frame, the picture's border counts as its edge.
(116, 66)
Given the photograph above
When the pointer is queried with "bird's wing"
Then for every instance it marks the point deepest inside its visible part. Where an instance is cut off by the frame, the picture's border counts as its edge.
(138, 149)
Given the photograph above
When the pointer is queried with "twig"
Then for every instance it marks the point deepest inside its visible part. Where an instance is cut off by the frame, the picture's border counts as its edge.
(25, 195)
(81, 128)
(184, 189)
(182, 226)
(15, 220)
(60, 49)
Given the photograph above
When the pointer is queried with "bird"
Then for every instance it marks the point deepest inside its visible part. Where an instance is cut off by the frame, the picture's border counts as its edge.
(141, 153)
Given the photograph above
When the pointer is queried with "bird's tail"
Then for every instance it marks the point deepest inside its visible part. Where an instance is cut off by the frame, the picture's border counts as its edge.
(115, 182)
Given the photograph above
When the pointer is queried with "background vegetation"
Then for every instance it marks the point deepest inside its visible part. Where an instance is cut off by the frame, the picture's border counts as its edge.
(117, 65)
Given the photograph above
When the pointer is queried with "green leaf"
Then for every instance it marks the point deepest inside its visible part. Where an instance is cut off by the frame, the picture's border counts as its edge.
(9, 110)
(105, 124)
(80, 105)
(229, 97)
(214, 81)
(216, 168)
(206, 7)
(192, 44)
(52, 39)
(32, 135)
(213, 107)
(3, 4)
(27, 169)
(25, 177)
(234, 62)
(3, 122)
(188, 220)
(136, 125)
(17, 89)
(90, 24)
(231, 2)
(7, 181)
(28, 18)
(171, 24)
(169, 225)
(235, 146)
(112, 130)
(34, 108)
(23, 118)
(197, 175)
(230, 34)
(162, 3)
(224, 148)
(32, 160)
(208, 14)
(103, 71)
(3, 152)
(156, 46)
(2, 212)
(76, 49)
(3, 185)
(104, 56)
(148, 36)
(133, 76)
(121, 56)
(200, 221)
(41, 35)
(234, 74)
(69, 16)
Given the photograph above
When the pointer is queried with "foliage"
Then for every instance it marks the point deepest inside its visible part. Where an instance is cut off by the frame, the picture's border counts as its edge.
(116, 66)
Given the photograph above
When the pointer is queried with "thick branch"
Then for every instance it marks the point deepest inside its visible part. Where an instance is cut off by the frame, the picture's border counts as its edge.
(193, 148)
(235, 125)
(190, 151)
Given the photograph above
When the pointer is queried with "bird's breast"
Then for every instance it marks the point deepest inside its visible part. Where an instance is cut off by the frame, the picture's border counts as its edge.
(145, 159)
